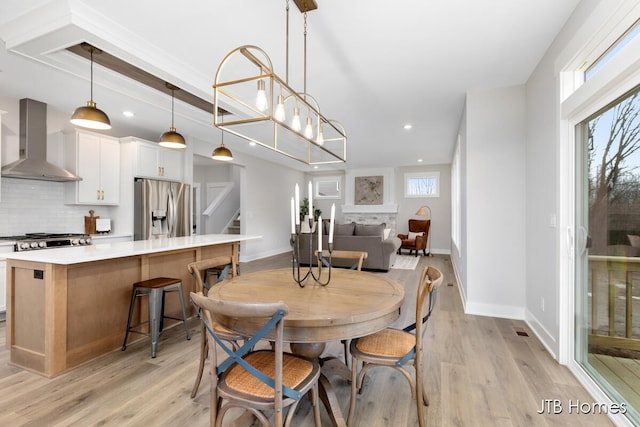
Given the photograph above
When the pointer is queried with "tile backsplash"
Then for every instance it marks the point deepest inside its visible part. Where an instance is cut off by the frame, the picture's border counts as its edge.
(31, 206)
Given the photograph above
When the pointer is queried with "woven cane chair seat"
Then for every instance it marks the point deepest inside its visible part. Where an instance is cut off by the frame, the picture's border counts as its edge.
(295, 371)
(392, 343)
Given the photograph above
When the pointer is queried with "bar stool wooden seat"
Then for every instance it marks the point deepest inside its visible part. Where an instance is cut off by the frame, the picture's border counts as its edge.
(156, 289)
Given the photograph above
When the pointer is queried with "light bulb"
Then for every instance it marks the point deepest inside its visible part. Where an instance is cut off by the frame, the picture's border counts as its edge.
(280, 114)
(295, 122)
(320, 139)
(261, 98)
(308, 129)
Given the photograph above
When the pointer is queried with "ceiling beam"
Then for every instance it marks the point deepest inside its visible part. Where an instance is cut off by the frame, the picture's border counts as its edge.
(116, 64)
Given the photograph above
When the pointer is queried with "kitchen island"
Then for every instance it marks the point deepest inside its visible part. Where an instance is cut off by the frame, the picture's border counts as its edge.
(69, 305)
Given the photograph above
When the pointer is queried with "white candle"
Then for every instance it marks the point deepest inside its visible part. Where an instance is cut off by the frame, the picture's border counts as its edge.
(331, 221)
(319, 235)
(293, 216)
(310, 200)
(297, 202)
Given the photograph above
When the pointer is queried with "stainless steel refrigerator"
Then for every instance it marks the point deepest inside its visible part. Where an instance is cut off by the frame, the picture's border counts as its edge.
(161, 209)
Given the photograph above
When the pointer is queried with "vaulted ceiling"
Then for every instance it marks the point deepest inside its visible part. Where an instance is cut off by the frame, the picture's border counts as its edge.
(374, 66)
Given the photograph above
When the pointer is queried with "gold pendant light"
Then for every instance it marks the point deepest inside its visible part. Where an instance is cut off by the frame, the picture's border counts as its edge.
(221, 152)
(171, 138)
(290, 123)
(90, 116)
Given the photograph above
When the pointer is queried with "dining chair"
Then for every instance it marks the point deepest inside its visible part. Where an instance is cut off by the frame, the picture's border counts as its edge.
(398, 348)
(223, 267)
(358, 258)
(263, 382)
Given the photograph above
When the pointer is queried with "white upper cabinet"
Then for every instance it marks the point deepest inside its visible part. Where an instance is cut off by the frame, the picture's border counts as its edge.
(153, 161)
(96, 159)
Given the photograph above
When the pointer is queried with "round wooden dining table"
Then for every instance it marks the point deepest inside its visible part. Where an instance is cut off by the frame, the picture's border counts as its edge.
(352, 305)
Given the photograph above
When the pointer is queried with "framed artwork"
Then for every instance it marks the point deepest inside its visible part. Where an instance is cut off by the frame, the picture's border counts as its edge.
(368, 190)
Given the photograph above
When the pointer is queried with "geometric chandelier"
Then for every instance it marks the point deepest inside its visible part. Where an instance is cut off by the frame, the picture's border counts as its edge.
(265, 110)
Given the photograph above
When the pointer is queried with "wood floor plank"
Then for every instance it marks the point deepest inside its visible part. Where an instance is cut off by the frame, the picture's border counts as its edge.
(478, 372)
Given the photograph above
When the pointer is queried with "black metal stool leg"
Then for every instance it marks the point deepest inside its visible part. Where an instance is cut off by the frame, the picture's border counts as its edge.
(131, 307)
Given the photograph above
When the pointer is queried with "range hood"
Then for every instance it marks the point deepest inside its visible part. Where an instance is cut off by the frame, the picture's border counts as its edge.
(33, 147)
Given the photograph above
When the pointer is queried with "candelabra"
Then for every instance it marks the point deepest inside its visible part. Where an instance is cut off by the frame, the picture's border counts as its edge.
(298, 273)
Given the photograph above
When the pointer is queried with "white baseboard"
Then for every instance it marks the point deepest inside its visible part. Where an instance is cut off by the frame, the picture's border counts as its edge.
(494, 310)
(266, 254)
(547, 339)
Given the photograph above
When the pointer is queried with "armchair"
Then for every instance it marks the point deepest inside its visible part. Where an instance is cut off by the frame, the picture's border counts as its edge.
(417, 237)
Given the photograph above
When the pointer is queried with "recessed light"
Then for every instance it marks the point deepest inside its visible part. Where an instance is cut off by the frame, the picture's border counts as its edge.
(408, 126)
(315, 167)
(128, 113)
(253, 144)
(419, 160)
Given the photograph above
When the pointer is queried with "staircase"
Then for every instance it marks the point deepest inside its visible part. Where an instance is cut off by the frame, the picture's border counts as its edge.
(235, 227)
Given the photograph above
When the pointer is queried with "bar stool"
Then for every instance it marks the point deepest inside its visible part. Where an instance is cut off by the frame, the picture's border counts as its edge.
(155, 289)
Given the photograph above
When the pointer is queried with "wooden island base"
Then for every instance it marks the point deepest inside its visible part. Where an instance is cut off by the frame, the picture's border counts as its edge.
(62, 315)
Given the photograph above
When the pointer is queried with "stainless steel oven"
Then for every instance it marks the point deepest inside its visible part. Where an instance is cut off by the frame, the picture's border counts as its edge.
(37, 241)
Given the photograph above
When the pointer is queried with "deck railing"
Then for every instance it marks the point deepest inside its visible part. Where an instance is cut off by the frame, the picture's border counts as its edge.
(611, 281)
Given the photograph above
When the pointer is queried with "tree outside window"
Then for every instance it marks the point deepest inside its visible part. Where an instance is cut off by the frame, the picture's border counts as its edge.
(422, 184)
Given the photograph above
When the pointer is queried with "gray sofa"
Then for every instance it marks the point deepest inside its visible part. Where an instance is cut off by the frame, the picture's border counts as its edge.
(381, 252)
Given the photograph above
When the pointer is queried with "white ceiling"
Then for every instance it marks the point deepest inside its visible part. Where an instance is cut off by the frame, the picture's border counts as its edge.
(372, 65)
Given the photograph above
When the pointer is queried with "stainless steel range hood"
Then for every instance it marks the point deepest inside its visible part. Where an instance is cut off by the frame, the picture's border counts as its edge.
(33, 147)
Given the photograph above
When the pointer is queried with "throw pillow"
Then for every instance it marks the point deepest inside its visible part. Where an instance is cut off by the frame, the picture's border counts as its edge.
(370, 230)
(344, 229)
(325, 226)
(412, 235)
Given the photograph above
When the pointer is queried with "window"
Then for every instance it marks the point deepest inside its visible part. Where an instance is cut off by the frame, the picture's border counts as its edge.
(455, 196)
(629, 35)
(422, 184)
(327, 187)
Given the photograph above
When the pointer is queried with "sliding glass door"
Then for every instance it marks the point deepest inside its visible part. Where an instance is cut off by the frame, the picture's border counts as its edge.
(607, 300)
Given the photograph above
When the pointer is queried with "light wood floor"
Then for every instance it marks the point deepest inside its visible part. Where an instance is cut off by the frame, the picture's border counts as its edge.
(479, 372)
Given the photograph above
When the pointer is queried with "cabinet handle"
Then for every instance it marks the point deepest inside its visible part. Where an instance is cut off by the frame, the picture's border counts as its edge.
(97, 194)
(102, 194)
(162, 170)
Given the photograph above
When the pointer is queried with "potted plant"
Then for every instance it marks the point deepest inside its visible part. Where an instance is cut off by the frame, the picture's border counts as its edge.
(304, 210)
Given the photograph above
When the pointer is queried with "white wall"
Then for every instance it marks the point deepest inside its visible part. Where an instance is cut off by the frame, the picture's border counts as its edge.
(495, 202)
(265, 202)
(541, 165)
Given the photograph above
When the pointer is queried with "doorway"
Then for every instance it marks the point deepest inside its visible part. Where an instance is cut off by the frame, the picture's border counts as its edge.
(607, 250)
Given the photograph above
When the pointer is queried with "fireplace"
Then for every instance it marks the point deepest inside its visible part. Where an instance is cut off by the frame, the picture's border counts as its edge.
(372, 214)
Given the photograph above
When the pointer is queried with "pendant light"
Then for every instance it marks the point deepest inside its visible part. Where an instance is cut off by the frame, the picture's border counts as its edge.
(90, 116)
(171, 138)
(221, 152)
(275, 106)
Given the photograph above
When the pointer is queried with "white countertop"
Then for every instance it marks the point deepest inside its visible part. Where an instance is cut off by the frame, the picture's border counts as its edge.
(106, 236)
(102, 251)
